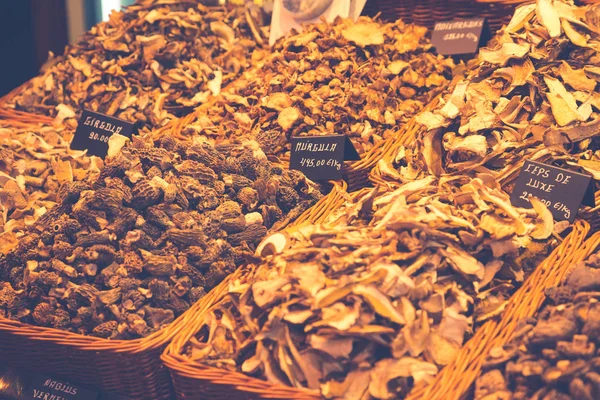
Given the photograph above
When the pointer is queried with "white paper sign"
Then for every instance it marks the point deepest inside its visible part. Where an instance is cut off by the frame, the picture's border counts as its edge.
(292, 14)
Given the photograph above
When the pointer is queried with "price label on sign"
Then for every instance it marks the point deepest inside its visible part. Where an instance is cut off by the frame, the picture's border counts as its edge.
(562, 191)
(322, 157)
(459, 37)
(95, 129)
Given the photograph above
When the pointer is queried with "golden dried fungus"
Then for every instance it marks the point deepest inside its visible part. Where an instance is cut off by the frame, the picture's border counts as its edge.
(380, 297)
(531, 94)
(152, 62)
(363, 79)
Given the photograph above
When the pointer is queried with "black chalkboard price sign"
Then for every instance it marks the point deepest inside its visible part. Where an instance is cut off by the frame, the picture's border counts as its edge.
(322, 157)
(562, 191)
(43, 387)
(94, 130)
(459, 37)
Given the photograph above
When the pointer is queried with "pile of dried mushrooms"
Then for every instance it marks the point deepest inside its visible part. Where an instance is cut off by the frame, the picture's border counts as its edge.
(122, 255)
(148, 64)
(531, 94)
(555, 354)
(363, 79)
(382, 296)
(35, 161)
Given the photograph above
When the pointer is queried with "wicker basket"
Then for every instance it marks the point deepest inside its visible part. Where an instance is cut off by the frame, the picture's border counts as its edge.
(196, 381)
(132, 368)
(454, 381)
(9, 113)
(428, 12)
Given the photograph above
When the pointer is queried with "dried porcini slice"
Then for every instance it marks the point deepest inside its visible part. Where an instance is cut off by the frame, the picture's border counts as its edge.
(149, 63)
(343, 77)
(373, 302)
(531, 94)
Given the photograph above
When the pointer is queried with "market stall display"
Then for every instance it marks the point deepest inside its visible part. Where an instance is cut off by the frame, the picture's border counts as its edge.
(195, 244)
(122, 255)
(378, 299)
(148, 64)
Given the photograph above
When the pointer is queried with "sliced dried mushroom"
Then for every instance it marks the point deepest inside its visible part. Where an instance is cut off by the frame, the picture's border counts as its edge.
(341, 77)
(531, 95)
(124, 253)
(373, 301)
(150, 63)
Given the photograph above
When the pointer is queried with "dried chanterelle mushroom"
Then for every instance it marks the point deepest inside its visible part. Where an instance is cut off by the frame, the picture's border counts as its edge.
(532, 94)
(124, 254)
(148, 64)
(363, 79)
(382, 296)
(554, 355)
(35, 162)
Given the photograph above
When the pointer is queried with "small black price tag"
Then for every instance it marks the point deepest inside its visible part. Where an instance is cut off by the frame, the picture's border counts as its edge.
(45, 388)
(94, 130)
(322, 157)
(562, 191)
(457, 37)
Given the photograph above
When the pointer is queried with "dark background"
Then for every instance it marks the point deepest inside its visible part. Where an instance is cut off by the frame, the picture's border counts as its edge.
(28, 30)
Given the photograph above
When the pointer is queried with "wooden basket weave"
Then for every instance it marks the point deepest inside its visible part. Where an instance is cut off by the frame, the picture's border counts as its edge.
(428, 12)
(129, 367)
(193, 380)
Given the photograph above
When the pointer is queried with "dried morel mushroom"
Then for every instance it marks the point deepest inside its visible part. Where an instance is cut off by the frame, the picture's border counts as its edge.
(149, 63)
(363, 79)
(379, 299)
(35, 162)
(532, 91)
(554, 355)
(123, 255)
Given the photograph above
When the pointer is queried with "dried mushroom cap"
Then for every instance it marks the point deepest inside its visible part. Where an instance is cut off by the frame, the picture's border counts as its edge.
(532, 94)
(36, 163)
(123, 254)
(148, 64)
(341, 77)
(555, 354)
(377, 299)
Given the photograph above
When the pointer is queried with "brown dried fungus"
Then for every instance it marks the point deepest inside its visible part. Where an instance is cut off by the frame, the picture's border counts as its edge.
(35, 163)
(363, 79)
(555, 354)
(380, 297)
(124, 254)
(148, 64)
(530, 95)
